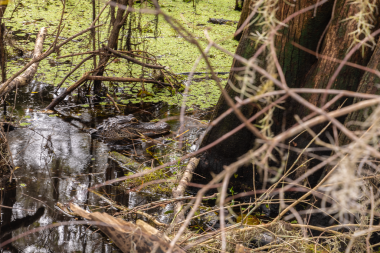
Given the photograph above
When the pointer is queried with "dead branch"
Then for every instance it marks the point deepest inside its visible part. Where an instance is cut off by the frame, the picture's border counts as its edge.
(41, 57)
(127, 235)
(73, 70)
(125, 79)
(62, 96)
(50, 51)
(76, 54)
(125, 209)
(179, 191)
(134, 60)
(113, 102)
(27, 76)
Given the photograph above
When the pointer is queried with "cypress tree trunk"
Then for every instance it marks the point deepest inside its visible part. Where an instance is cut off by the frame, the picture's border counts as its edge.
(304, 30)
(336, 44)
(368, 84)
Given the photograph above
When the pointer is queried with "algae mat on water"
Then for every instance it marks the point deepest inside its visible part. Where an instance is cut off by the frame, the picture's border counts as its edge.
(25, 18)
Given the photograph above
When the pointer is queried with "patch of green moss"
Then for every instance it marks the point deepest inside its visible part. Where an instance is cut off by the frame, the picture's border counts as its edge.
(161, 188)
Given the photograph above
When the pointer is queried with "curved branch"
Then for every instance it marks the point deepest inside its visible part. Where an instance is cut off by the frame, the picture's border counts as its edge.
(134, 60)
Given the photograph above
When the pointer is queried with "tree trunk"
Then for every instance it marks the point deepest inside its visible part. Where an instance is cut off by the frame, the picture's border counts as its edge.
(2, 46)
(246, 11)
(117, 23)
(336, 44)
(304, 30)
(368, 84)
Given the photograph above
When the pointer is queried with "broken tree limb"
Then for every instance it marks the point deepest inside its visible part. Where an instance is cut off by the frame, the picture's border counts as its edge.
(29, 73)
(62, 96)
(180, 190)
(125, 209)
(128, 237)
(152, 230)
(43, 56)
(113, 102)
(125, 79)
(131, 59)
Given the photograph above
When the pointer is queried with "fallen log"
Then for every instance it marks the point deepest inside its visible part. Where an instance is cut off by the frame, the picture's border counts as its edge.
(29, 73)
(128, 237)
(179, 191)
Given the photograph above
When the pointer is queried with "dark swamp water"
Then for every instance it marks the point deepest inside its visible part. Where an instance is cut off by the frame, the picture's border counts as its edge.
(57, 161)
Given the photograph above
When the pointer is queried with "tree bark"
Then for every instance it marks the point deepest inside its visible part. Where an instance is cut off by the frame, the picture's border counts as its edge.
(301, 70)
(336, 44)
(368, 84)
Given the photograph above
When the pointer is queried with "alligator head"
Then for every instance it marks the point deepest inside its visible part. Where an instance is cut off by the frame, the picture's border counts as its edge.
(128, 127)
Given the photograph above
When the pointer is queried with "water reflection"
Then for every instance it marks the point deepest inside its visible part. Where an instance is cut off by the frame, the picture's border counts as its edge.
(52, 155)
(57, 162)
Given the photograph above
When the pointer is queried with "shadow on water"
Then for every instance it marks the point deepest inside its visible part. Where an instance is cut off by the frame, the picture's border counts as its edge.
(57, 161)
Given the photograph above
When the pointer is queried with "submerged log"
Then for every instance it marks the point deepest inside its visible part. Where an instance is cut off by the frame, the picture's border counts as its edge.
(28, 75)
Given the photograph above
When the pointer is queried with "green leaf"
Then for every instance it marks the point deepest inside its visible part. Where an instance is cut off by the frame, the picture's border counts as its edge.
(170, 211)
(294, 222)
(24, 124)
(86, 105)
(53, 115)
(27, 117)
